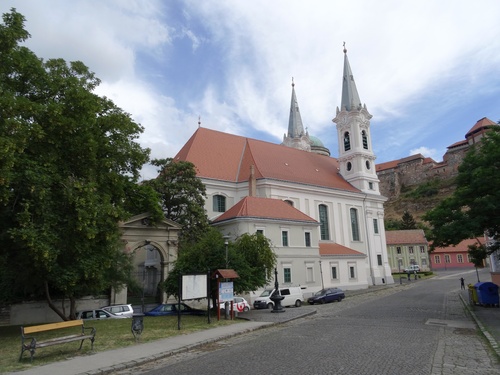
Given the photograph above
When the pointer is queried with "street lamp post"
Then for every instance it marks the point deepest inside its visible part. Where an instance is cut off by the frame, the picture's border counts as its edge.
(399, 266)
(226, 304)
(321, 273)
(226, 242)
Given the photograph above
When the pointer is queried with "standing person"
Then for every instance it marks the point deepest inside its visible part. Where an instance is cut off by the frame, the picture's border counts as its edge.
(462, 283)
(409, 275)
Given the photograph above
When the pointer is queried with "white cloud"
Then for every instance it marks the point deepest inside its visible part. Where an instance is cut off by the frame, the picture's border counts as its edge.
(414, 62)
(427, 152)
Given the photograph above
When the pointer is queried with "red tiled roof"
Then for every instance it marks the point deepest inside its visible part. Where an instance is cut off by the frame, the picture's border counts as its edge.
(394, 163)
(264, 208)
(459, 143)
(387, 165)
(228, 157)
(226, 274)
(408, 236)
(481, 124)
(328, 248)
(461, 247)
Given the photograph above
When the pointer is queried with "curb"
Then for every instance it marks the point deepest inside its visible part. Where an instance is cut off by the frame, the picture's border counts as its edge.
(149, 359)
(493, 343)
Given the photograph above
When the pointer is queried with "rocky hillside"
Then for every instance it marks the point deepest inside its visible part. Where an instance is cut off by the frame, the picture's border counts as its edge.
(418, 199)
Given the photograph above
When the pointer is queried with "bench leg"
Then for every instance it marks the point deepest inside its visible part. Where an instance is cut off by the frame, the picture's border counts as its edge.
(91, 345)
(31, 347)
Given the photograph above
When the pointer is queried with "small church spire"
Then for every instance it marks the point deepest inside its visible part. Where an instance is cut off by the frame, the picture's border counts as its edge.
(350, 96)
(296, 137)
(295, 127)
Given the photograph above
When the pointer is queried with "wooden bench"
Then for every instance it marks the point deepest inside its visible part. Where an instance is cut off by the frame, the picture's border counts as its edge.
(28, 342)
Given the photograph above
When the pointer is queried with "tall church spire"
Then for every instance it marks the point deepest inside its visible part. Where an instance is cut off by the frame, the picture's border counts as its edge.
(295, 127)
(296, 136)
(350, 96)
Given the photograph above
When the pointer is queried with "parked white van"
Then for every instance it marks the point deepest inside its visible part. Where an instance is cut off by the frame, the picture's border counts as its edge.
(292, 297)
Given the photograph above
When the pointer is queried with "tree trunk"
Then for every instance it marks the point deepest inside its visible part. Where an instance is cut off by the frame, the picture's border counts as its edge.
(51, 303)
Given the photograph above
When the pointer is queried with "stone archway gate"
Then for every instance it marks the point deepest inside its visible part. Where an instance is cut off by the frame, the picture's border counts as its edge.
(154, 248)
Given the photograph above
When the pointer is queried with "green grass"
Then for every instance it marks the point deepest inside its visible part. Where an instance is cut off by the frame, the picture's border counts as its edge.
(111, 334)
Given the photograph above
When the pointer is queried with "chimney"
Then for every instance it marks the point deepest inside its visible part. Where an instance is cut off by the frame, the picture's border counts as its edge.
(252, 182)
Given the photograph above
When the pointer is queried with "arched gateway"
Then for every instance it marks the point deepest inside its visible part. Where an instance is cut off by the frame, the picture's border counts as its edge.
(154, 248)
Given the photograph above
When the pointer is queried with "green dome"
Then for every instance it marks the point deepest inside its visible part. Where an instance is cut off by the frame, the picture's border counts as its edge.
(315, 141)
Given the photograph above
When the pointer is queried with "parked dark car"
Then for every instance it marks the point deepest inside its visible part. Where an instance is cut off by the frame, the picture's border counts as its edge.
(327, 295)
(171, 309)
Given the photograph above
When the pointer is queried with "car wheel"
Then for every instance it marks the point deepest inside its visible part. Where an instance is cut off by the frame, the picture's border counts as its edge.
(270, 305)
(311, 303)
(298, 303)
(246, 308)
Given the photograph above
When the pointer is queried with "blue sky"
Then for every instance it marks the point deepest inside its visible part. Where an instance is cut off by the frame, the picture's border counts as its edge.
(427, 70)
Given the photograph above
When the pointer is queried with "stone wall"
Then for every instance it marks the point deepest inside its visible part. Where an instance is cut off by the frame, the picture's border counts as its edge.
(39, 312)
(417, 169)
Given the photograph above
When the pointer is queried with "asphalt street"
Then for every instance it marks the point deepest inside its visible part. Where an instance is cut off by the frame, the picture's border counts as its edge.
(421, 327)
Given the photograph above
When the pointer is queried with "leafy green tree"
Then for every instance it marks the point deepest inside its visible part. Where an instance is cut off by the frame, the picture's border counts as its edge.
(251, 256)
(69, 164)
(182, 195)
(478, 253)
(407, 221)
(473, 209)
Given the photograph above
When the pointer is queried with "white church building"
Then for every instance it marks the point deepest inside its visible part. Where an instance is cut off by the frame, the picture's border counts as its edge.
(323, 215)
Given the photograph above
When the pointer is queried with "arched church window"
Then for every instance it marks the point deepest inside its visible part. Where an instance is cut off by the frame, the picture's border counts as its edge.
(347, 141)
(219, 203)
(289, 202)
(367, 164)
(349, 166)
(365, 140)
(354, 224)
(323, 221)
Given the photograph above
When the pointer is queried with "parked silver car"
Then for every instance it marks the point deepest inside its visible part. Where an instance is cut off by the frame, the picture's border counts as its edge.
(97, 314)
(122, 310)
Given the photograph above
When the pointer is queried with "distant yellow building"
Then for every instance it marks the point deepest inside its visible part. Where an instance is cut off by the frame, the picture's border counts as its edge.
(407, 247)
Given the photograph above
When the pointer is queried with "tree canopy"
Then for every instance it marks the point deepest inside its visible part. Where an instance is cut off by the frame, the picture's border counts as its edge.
(408, 221)
(69, 167)
(474, 207)
(250, 255)
(182, 196)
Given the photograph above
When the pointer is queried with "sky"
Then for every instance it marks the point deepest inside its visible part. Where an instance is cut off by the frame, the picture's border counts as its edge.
(427, 70)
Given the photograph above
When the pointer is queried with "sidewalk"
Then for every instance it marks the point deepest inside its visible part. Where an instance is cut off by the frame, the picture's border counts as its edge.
(487, 319)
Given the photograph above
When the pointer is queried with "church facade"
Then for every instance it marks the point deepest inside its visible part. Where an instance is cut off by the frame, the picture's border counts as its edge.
(323, 215)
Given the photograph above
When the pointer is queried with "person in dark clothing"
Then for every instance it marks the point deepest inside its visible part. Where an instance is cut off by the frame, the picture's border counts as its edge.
(462, 283)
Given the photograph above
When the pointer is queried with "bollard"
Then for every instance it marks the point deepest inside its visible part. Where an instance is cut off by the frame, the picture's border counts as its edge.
(137, 325)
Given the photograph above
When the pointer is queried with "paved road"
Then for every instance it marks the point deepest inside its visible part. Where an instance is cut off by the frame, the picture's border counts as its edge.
(421, 328)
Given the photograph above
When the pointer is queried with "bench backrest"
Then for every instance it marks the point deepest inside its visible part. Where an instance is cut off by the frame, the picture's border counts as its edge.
(51, 326)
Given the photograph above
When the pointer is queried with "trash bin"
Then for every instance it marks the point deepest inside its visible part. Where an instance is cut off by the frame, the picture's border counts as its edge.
(472, 295)
(487, 293)
(137, 325)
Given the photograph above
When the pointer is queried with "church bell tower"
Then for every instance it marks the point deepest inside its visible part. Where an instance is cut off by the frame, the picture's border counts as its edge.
(356, 157)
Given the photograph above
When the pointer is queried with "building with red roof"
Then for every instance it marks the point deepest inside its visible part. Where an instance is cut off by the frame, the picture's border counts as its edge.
(416, 169)
(454, 257)
(324, 215)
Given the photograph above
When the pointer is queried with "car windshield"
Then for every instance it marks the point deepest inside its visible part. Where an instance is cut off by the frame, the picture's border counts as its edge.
(266, 293)
(320, 293)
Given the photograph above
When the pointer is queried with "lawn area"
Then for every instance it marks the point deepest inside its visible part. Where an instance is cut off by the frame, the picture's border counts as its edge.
(111, 334)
